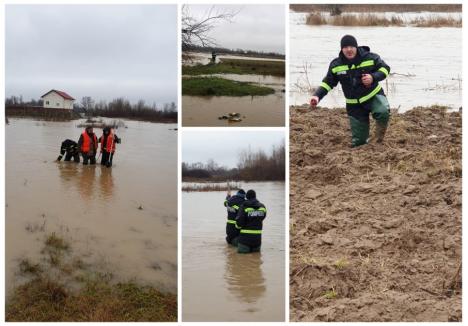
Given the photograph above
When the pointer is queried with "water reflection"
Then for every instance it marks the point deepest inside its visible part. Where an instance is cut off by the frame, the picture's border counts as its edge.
(106, 183)
(244, 276)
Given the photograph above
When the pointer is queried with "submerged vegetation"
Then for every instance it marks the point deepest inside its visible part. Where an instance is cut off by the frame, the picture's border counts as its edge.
(48, 296)
(238, 66)
(211, 186)
(215, 86)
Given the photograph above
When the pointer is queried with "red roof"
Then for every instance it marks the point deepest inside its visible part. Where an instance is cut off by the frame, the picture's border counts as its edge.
(62, 94)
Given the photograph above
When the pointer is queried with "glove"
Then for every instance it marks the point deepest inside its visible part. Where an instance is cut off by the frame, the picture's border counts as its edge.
(59, 158)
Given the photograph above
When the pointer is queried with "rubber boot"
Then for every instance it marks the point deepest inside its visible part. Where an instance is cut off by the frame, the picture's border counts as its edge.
(381, 113)
(359, 132)
(243, 249)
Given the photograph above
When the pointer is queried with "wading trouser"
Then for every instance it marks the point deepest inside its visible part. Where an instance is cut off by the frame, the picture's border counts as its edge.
(90, 158)
(106, 158)
(359, 119)
(233, 242)
(244, 249)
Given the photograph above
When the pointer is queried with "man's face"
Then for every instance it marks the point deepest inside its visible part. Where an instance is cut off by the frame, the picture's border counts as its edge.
(349, 52)
(90, 130)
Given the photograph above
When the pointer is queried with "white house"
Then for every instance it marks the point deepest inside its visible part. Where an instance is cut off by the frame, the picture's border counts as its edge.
(55, 99)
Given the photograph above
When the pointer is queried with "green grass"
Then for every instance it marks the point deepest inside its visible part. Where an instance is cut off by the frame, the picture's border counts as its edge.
(47, 297)
(214, 86)
(43, 299)
(238, 66)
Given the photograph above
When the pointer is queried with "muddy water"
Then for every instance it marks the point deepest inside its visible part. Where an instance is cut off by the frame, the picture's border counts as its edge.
(217, 283)
(95, 208)
(428, 61)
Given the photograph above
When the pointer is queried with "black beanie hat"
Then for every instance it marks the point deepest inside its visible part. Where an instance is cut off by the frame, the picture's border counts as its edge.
(348, 40)
(251, 194)
(241, 192)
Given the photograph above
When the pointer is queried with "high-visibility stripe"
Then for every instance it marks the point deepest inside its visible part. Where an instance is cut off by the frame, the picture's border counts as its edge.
(262, 209)
(251, 231)
(370, 95)
(237, 226)
(340, 68)
(231, 221)
(235, 206)
(384, 70)
(364, 98)
(248, 209)
(326, 86)
(366, 63)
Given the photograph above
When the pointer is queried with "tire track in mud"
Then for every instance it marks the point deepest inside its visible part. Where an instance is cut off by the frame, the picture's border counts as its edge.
(376, 230)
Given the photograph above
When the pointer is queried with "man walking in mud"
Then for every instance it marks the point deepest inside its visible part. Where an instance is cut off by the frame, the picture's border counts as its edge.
(88, 145)
(250, 221)
(359, 71)
(232, 204)
(108, 141)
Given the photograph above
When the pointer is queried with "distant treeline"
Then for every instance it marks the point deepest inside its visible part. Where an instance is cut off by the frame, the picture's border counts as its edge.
(247, 53)
(342, 8)
(251, 166)
(122, 108)
(117, 108)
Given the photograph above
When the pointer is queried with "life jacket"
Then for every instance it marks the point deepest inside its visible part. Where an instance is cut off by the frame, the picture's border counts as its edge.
(110, 143)
(86, 145)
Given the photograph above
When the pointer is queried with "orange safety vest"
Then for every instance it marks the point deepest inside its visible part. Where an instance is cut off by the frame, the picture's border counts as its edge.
(110, 143)
(86, 145)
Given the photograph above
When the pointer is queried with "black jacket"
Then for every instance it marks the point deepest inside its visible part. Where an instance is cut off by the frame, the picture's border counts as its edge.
(250, 219)
(69, 146)
(349, 73)
(232, 204)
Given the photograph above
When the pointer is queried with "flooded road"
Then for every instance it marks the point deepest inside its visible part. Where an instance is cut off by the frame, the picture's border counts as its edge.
(217, 283)
(95, 208)
(427, 62)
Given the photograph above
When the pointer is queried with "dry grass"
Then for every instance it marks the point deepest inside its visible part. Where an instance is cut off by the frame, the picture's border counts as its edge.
(378, 7)
(211, 187)
(367, 19)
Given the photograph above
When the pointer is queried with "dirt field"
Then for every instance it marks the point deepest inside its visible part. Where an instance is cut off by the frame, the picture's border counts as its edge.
(376, 230)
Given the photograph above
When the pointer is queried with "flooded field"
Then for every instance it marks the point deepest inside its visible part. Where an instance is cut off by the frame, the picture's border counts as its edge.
(255, 110)
(217, 283)
(122, 219)
(427, 62)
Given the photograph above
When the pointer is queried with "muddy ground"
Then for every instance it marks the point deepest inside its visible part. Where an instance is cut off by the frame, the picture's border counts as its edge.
(375, 230)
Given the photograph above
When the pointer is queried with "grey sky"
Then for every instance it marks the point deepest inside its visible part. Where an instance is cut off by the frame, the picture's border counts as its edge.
(92, 50)
(224, 146)
(255, 27)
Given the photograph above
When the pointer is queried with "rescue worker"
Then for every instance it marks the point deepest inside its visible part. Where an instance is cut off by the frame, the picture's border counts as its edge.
(250, 220)
(232, 204)
(359, 71)
(108, 141)
(88, 145)
(69, 148)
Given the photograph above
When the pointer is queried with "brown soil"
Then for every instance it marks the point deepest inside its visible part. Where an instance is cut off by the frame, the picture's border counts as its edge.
(375, 230)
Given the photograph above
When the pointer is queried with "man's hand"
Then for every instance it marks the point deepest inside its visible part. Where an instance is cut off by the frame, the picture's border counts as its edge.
(314, 101)
(59, 158)
(367, 79)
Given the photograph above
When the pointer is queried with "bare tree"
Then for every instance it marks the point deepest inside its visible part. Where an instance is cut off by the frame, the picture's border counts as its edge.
(195, 31)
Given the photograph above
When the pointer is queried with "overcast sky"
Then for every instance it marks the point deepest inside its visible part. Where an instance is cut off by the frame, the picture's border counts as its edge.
(92, 50)
(224, 146)
(255, 27)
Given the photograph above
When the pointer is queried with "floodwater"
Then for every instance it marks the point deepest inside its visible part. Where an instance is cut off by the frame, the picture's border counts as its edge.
(205, 58)
(427, 62)
(255, 110)
(95, 208)
(218, 284)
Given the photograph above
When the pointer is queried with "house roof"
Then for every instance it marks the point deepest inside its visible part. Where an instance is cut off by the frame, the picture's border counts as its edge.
(62, 94)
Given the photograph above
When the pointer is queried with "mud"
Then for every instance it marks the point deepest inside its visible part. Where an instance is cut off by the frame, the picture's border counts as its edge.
(375, 231)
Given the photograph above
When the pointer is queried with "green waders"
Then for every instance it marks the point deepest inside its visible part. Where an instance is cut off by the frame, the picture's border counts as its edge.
(379, 108)
(243, 249)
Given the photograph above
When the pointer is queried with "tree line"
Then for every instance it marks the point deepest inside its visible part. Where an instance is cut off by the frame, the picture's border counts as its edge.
(117, 108)
(251, 166)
